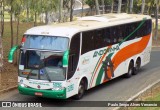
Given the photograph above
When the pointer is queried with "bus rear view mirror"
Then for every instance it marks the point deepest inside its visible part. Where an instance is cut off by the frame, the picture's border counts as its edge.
(11, 53)
(65, 58)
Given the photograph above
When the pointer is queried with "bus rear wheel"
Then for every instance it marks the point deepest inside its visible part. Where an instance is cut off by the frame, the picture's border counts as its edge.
(81, 90)
(130, 70)
(137, 66)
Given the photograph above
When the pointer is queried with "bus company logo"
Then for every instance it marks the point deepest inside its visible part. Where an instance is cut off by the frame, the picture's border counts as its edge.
(104, 51)
(39, 83)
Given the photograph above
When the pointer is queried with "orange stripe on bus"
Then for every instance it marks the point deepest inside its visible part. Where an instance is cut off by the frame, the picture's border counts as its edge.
(130, 51)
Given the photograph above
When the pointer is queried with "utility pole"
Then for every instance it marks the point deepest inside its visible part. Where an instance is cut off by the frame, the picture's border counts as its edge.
(1, 49)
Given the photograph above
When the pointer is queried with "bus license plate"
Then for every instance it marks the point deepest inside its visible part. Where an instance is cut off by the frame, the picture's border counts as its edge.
(38, 94)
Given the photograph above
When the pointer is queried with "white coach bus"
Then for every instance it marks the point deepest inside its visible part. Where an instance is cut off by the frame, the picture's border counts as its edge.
(63, 60)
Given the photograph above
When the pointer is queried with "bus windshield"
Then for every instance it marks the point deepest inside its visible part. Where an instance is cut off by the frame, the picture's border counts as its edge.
(45, 42)
(41, 65)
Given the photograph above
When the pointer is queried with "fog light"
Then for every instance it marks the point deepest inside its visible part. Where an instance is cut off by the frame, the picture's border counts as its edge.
(23, 85)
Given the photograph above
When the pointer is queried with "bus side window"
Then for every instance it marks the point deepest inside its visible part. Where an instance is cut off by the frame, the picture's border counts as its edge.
(87, 41)
(130, 28)
(134, 30)
(144, 28)
(149, 27)
(99, 39)
(107, 38)
(121, 31)
(114, 35)
(139, 31)
(73, 55)
(71, 66)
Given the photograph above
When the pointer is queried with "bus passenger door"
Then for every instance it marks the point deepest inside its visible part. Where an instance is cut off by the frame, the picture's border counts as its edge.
(72, 66)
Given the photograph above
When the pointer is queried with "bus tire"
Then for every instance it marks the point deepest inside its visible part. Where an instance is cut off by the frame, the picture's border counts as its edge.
(137, 66)
(130, 70)
(81, 90)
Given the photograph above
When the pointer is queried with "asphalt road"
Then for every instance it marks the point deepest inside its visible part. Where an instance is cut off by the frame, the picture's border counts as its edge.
(119, 89)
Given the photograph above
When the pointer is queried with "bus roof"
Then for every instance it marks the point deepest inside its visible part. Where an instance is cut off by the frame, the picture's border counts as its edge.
(68, 29)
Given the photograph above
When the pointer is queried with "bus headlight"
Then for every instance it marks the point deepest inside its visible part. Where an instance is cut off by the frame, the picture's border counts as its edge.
(58, 88)
(22, 85)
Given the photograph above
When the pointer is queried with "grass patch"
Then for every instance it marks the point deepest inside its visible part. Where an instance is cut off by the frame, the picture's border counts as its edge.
(152, 94)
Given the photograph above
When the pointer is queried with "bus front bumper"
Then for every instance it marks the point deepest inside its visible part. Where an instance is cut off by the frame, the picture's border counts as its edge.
(61, 94)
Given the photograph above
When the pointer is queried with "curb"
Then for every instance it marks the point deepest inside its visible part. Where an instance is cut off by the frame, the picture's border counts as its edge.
(139, 93)
(8, 89)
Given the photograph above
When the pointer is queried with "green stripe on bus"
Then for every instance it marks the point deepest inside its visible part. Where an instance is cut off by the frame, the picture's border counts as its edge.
(94, 71)
(99, 78)
(101, 72)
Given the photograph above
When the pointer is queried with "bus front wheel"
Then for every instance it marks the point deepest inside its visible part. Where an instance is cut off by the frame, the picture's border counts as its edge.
(81, 90)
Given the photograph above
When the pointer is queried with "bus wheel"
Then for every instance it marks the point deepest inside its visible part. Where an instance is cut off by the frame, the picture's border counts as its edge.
(81, 90)
(130, 70)
(137, 66)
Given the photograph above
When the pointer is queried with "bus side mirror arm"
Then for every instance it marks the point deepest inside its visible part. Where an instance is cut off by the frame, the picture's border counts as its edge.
(11, 53)
(65, 58)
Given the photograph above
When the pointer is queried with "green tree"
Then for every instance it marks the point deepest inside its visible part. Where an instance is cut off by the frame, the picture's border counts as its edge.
(60, 10)
(151, 6)
(11, 19)
(35, 9)
(48, 7)
(17, 10)
(91, 4)
(2, 17)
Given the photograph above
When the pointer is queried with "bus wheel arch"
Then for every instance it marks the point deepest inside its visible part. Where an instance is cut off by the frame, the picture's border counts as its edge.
(137, 66)
(82, 87)
(130, 69)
